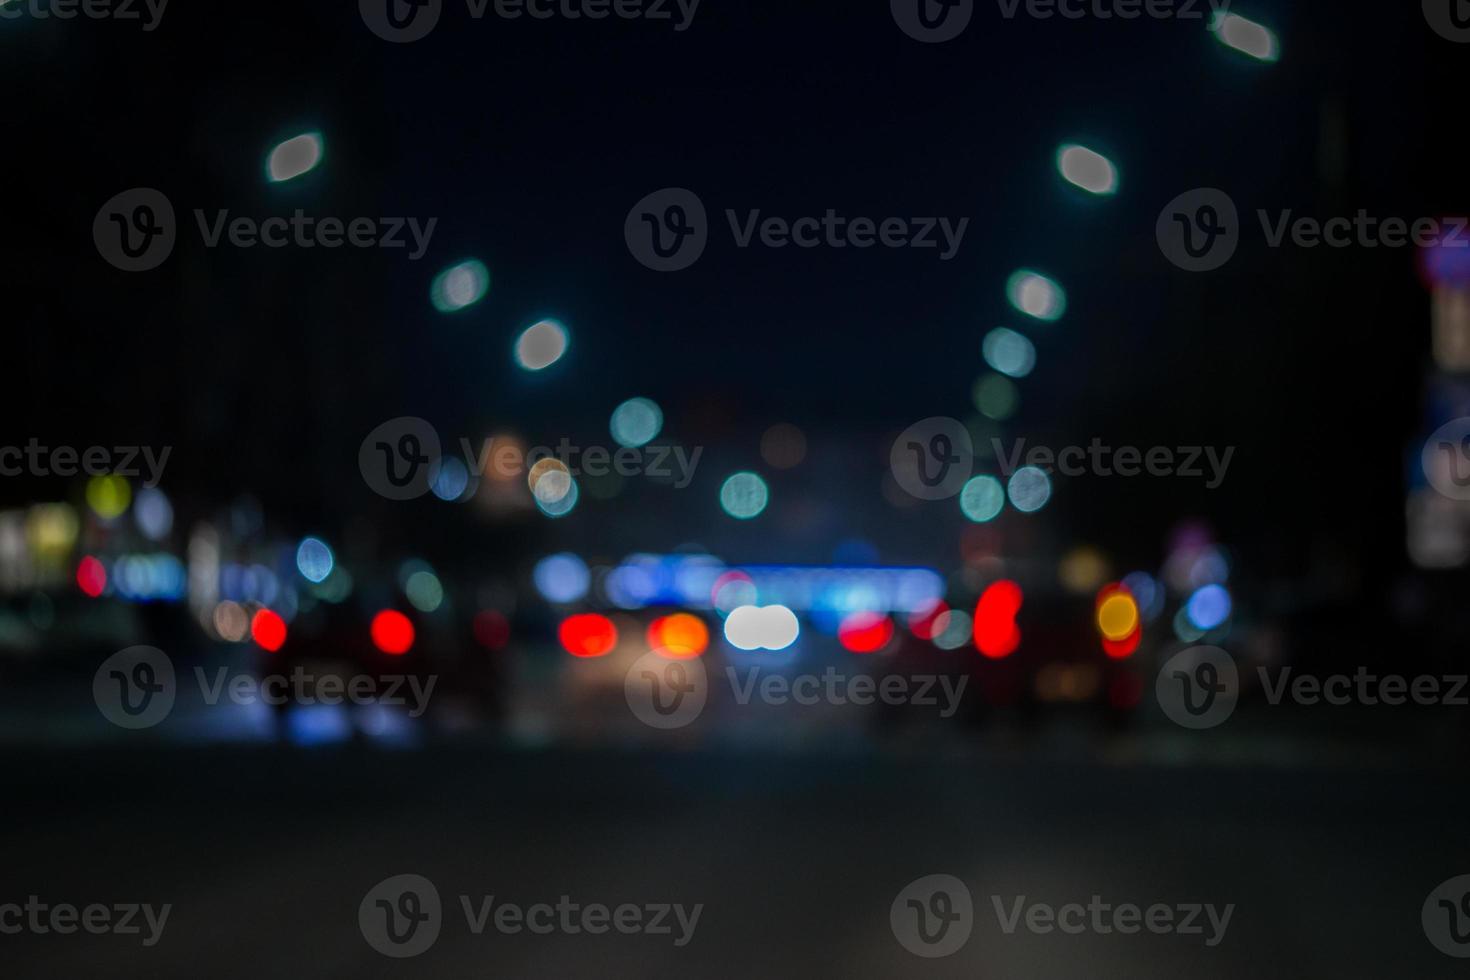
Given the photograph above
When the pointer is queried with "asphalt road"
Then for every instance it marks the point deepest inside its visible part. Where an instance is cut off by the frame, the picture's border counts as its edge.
(265, 855)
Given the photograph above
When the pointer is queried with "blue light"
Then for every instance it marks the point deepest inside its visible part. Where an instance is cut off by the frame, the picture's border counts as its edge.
(1146, 592)
(563, 505)
(561, 578)
(631, 585)
(294, 157)
(314, 559)
(819, 589)
(1008, 352)
(1208, 607)
(1029, 489)
(149, 578)
(460, 286)
(744, 495)
(451, 479)
(636, 422)
(153, 512)
(318, 724)
(982, 499)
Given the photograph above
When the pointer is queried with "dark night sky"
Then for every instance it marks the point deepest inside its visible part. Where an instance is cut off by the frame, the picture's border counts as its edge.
(530, 141)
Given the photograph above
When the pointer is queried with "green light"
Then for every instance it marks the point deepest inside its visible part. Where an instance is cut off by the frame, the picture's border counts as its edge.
(744, 495)
(996, 396)
(982, 499)
(1036, 295)
(296, 156)
(1009, 352)
(1087, 169)
(1246, 36)
(636, 422)
(460, 286)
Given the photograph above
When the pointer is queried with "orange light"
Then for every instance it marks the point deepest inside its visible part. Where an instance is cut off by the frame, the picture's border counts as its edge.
(268, 629)
(1118, 620)
(865, 632)
(587, 635)
(392, 632)
(679, 636)
(1116, 612)
(996, 632)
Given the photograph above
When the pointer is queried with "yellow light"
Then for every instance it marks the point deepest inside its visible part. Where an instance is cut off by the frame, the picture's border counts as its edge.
(52, 529)
(1082, 570)
(108, 496)
(1117, 616)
